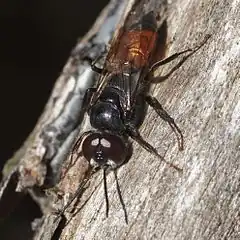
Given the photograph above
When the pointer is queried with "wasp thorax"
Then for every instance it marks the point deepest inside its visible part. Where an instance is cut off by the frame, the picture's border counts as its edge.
(104, 149)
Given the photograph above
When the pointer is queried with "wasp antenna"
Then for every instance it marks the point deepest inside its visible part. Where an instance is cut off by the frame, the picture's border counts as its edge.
(105, 191)
(120, 196)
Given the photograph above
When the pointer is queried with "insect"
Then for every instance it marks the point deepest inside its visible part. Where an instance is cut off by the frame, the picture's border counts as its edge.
(117, 105)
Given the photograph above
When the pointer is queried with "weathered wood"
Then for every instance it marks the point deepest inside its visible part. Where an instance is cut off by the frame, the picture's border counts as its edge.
(40, 158)
(203, 96)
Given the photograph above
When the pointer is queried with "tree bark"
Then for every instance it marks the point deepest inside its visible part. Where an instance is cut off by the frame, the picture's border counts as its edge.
(202, 96)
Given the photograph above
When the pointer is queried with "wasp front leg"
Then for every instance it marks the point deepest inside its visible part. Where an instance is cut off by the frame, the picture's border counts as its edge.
(94, 67)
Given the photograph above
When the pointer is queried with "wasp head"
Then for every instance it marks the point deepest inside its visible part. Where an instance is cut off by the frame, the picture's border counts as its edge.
(104, 149)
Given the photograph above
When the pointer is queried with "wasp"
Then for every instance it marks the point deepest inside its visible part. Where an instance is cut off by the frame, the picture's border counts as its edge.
(117, 105)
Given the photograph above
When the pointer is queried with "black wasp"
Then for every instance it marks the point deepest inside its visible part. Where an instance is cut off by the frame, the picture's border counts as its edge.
(117, 105)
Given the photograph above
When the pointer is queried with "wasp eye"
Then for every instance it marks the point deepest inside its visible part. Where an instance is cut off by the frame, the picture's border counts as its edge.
(105, 149)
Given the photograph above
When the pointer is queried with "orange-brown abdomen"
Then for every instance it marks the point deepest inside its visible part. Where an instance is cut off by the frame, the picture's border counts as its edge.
(133, 50)
(140, 45)
(136, 47)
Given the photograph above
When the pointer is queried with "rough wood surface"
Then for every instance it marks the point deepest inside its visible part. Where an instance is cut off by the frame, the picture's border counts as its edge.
(203, 96)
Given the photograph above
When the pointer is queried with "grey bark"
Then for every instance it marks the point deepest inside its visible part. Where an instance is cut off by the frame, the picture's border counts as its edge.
(203, 97)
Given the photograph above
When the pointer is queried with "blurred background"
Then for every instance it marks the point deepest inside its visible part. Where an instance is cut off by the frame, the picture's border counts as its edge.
(35, 42)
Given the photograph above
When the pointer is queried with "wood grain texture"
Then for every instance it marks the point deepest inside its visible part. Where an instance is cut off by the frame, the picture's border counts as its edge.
(203, 97)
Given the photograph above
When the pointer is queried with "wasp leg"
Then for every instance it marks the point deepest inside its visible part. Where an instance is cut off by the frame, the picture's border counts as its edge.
(90, 172)
(75, 154)
(102, 54)
(87, 98)
(171, 58)
(153, 102)
(135, 135)
(77, 144)
(94, 67)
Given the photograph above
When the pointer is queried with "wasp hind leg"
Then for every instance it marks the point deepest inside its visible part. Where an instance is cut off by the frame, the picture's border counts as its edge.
(153, 102)
(135, 135)
(190, 52)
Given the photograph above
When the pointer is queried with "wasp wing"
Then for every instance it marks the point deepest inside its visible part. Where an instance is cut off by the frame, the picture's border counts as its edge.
(130, 54)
